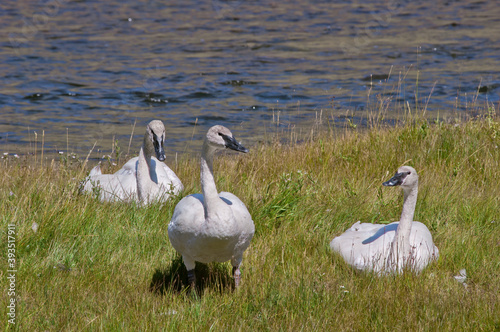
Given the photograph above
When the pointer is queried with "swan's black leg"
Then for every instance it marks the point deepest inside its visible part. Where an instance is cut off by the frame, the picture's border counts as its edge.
(191, 278)
(237, 276)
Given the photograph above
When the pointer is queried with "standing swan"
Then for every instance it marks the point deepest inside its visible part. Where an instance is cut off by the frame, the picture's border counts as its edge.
(406, 244)
(157, 179)
(212, 227)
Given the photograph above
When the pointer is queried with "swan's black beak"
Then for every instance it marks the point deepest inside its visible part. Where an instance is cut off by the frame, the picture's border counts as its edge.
(158, 145)
(396, 180)
(232, 144)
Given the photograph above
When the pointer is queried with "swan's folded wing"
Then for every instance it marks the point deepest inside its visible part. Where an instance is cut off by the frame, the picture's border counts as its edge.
(112, 187)
(170, 178)
(130, 167)
(364, 256)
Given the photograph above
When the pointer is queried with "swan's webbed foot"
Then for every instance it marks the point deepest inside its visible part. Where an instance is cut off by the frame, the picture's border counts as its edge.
(237, 276)
(191, 279)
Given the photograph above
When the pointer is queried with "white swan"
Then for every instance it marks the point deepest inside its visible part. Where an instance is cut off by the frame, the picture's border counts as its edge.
(212, 227)
(123, 185)
(406, 244)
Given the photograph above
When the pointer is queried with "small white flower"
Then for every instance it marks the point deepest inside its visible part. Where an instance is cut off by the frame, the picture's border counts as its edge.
(343, 289)
(34, 227)
(461, 277)
(170, 312)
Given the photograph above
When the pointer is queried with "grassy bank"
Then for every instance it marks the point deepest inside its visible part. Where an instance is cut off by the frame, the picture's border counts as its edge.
(98, 266)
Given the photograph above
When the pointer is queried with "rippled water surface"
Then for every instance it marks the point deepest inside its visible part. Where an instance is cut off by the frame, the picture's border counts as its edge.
(85, 71)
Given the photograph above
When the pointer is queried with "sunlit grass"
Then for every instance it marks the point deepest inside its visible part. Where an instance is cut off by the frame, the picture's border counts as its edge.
(101, 266)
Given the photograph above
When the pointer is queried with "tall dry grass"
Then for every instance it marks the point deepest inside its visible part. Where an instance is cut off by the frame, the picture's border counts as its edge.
(101, 266)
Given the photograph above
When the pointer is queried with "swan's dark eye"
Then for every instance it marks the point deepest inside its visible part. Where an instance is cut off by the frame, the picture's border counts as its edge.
(408, 173)
(221, 134)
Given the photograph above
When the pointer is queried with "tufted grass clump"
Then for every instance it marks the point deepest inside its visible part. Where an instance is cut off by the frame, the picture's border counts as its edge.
(86, 265)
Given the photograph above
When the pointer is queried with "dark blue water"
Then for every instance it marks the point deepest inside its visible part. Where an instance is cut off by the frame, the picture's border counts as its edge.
(80, 72)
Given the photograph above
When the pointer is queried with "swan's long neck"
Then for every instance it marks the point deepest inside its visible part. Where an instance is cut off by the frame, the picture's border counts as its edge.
(210, 194)
(401, 245)
(148, 147)
(145, 184)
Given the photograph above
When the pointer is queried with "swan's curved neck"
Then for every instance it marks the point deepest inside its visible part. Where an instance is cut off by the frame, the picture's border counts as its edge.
(410, 201)
(145, 154)
(144, 182)
(148, 147)
(210, 194)
(401, 244)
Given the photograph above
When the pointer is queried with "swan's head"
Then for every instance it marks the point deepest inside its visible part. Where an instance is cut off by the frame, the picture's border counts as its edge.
(406, 176)
(155, 133)
(219, 137)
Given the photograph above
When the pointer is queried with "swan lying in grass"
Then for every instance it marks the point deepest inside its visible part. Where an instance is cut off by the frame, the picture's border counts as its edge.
(123, 185)
(406, 244)
(212, 227)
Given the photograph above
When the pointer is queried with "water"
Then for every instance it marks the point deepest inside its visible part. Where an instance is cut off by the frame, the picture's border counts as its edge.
(80, 72)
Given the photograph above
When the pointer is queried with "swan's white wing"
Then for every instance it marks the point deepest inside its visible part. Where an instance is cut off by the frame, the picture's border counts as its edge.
(160, 174)
(247, 227)
(112, 187)
(422, 246)
(370, 255)
(239, 209)
(120, 186)
(130, 167)
(166, 177)
(188, 217)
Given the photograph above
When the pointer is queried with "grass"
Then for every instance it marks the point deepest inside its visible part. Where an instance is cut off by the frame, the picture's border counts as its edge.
(99, 266)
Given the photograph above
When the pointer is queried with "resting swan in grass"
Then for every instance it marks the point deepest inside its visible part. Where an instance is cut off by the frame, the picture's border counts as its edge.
(395, 247)
(159, 181)
(212, 227)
